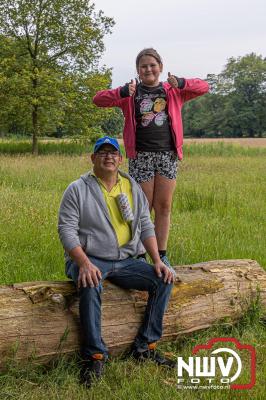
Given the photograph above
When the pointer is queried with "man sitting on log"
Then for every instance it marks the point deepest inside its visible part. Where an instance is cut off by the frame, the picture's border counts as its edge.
(102, 218)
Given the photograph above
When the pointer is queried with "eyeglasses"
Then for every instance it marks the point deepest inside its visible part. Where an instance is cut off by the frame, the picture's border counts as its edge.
(108, 153)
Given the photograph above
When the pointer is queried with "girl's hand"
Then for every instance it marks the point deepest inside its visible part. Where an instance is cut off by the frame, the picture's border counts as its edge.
(132, 87)
(172, 80)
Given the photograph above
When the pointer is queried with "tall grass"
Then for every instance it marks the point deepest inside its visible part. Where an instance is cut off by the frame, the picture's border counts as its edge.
(68, 147)
(83, 146)
(218, 212)
(222, 149)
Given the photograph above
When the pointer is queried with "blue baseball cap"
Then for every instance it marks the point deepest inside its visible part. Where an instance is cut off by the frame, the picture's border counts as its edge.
(106, 140)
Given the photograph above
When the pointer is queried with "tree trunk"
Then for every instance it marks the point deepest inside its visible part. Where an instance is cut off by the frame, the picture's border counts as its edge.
(34, 114)
(251, 132)
(35, 130)
(41, 319)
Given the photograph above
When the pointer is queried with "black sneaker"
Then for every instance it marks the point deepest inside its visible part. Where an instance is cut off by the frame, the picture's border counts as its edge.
(91, 370)
(154, 356)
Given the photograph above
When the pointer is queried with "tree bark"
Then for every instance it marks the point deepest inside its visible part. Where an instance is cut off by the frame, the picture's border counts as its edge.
(35, 130)
(35, 114)
(41, 319)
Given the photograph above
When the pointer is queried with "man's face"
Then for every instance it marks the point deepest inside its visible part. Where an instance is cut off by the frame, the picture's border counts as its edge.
(107, 159)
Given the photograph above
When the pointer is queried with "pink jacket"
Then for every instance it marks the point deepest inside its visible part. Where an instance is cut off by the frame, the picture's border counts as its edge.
(175, 100)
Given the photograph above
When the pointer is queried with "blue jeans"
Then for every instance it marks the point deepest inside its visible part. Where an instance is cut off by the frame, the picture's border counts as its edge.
(128, 274)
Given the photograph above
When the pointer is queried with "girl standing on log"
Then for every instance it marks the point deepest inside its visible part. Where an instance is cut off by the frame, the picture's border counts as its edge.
(153, 132)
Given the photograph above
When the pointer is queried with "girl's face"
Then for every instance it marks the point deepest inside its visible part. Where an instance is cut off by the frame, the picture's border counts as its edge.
(149, 70)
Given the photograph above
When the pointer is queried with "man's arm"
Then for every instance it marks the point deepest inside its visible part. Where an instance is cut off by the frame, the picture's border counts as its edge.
(68, 226)
(68, 218)
(89, 274)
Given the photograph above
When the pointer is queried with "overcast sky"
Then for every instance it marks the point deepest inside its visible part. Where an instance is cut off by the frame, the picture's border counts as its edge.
(194, 37)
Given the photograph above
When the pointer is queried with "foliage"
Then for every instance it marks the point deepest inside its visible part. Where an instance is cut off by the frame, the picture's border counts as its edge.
(48, 63)
(113, 125)
(235, 106)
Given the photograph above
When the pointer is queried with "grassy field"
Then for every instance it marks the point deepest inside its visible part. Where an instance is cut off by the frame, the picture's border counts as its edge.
(247, 142)
(218, 213)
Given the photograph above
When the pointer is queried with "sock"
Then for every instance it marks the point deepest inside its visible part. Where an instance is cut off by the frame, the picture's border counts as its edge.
(162, 253)
(143, 255)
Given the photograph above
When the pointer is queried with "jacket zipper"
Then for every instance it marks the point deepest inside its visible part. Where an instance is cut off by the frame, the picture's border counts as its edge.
(133, 116)
(170, 120)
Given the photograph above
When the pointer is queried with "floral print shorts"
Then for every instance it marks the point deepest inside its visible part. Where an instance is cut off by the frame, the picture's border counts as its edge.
(148, 163)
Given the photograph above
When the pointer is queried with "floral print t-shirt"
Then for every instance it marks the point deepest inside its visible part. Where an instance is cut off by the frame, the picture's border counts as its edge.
(153, 132)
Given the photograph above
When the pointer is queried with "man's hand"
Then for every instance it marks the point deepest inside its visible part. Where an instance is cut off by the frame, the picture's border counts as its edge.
(162, 269)
(132, 87)
(89, 275)
(172, 80)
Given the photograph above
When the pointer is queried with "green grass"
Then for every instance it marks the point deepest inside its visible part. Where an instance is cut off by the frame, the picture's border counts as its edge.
(222, 149)
(218, 213)
(219, 210)
(77, 146)
(68, 147)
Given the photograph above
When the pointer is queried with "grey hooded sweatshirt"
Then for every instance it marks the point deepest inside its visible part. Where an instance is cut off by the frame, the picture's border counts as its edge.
(84, 220)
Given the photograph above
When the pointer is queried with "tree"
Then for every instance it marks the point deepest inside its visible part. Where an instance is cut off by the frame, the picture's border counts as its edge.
(243, 83)
(14, 110)
(235, 105)
(55, 45)
(193, 114)
(113, 124)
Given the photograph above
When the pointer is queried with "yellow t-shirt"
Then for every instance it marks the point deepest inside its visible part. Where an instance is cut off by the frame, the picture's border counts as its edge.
(121, 227)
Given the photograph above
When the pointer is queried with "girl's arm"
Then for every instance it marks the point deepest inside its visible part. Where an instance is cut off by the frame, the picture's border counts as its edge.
(114, 97)
(193, 88)
(108, 98)
(189, 88)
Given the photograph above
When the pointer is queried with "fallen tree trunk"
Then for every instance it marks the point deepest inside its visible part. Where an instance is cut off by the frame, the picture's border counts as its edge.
(41, 319)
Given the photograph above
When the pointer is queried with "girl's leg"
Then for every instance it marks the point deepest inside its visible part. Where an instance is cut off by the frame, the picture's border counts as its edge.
(162, 202)
(148, 189)
(156, 174)
(142, 170)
